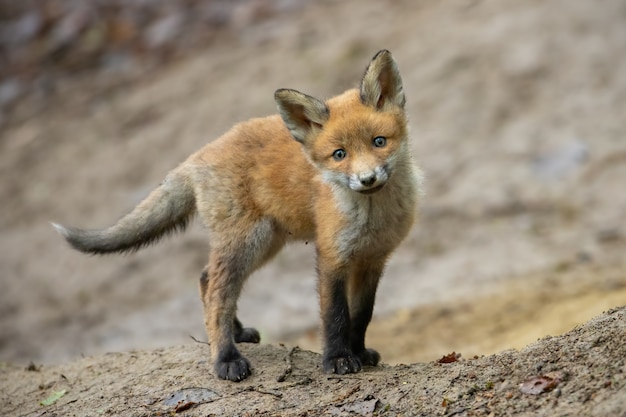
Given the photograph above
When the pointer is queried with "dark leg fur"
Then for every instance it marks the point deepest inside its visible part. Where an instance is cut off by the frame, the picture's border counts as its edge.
(368, 357)
(338, 357)
(362, 296)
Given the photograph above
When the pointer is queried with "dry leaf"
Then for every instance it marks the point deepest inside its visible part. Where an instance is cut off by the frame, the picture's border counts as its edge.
(452, 357)
(538, 385)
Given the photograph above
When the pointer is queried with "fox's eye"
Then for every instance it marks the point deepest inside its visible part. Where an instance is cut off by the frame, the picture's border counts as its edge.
(379, 141)
(339, 154)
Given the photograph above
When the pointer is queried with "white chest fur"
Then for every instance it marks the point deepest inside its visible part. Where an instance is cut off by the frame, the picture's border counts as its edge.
(377, 223)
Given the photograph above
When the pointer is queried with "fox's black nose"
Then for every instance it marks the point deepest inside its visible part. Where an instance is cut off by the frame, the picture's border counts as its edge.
(368, 180)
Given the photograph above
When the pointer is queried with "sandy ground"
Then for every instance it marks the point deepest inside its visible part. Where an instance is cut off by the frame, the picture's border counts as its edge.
(581, 373)
(517, 116)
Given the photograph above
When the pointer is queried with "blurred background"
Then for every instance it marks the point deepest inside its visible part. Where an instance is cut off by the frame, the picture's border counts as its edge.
(518, 118)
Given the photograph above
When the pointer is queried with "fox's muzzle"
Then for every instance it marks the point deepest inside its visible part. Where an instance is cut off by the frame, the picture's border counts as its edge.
(370, 181)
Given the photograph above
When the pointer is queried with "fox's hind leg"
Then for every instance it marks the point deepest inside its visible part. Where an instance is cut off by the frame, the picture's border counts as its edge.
(241, 334)
(224, 282)
(236, 252)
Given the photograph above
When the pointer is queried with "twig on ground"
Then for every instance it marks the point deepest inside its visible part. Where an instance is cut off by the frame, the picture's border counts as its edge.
(198, 341)
(260, 391)
(289, 368)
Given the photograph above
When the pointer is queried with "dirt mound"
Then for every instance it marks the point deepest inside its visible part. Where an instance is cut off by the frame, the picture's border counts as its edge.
(580, 373)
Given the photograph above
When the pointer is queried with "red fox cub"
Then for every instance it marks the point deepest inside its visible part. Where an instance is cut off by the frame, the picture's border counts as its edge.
(338, 173)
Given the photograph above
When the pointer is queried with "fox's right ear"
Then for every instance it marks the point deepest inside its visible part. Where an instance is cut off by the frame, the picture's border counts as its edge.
(301, 113)
(381, 85)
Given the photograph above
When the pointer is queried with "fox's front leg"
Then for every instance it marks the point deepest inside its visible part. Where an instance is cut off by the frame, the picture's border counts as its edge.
(338, 356)
(361, 296)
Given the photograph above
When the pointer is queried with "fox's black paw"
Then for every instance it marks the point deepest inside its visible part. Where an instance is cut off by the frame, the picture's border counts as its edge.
(236, 369)
(342, 364)
(369, 357)
(247, 335)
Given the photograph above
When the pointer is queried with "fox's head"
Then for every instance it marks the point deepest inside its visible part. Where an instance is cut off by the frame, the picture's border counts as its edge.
(357, 138)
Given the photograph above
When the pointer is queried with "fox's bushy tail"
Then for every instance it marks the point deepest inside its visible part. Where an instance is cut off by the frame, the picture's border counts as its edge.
(167, 209)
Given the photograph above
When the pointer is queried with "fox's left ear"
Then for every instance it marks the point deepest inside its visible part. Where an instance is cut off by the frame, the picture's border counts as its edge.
(381, 85)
